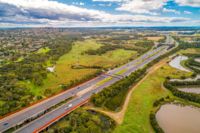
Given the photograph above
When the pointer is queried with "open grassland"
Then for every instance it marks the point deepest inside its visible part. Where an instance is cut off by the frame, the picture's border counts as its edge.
(190, 51)
(64, 73)
(186, 39)
(141, 102)
(43, 50)
(156, 38)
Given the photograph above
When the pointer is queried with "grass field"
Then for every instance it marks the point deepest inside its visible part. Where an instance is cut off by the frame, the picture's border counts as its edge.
(190, 51)
(64, 73)
(156, 38)
(136, 118)
(43, 50)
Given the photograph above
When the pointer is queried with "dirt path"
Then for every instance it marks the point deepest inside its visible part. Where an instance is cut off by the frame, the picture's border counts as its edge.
(119, 116)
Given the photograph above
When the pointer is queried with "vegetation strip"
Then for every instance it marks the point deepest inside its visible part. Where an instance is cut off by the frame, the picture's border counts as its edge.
(109, 96)
(83, 120)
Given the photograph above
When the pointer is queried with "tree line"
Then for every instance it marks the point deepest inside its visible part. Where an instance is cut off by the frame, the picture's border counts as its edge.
(185, 95)
(113, 96)
(192, 64)
(140, 47)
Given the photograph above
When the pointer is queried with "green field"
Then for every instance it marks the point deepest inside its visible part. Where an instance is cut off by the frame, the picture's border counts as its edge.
(43, 50)
(64, 73)
(190, 51)
(141, 103)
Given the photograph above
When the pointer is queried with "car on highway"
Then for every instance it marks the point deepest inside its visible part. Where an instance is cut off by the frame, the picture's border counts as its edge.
(5, 124)
(69, 106)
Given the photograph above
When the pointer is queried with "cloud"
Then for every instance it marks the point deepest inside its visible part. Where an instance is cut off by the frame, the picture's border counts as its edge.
(48, 9)
(192, 3)
(171, 11)
(142, 6)
(187, 12)
(108, 0)
(78, 3)
(105, 5)
(53, 13)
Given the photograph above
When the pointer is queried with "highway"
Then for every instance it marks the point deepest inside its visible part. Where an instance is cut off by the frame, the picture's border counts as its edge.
(45, 120)
(77, 101)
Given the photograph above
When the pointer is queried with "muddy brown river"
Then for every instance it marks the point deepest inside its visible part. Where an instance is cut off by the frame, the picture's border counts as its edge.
(174, 118)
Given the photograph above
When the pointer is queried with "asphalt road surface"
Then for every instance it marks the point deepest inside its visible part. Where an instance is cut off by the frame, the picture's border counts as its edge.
(35, 110)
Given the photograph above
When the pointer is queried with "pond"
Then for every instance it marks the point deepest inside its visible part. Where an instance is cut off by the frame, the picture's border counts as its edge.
(174, 118)
(187, 79)
(190, 89)
(176, 63)
(197, 59)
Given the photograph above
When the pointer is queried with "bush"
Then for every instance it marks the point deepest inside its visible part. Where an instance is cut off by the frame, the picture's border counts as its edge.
(154, 123)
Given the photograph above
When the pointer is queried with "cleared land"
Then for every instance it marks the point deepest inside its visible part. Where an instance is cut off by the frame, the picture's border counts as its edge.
(156, 38)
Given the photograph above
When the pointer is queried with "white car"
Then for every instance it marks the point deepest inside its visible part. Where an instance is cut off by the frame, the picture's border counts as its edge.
(69, 106)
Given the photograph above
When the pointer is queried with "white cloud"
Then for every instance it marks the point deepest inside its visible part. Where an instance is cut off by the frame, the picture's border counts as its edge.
(193, 3)
(46, 12)
(107, 0)
(171, 10)
(105, 5)
(187, 12)
(142, 6)
(81, 3)
(78, 3)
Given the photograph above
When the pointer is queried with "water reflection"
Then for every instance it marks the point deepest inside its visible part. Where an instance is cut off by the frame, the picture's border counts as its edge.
(174, 118)
(190, 89)
(176, 63)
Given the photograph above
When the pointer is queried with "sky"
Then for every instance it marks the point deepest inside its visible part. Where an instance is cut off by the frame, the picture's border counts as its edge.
(99, 13)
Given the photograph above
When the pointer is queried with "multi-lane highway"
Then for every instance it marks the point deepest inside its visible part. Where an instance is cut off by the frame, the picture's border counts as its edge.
(46, 120)
(50, 117)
